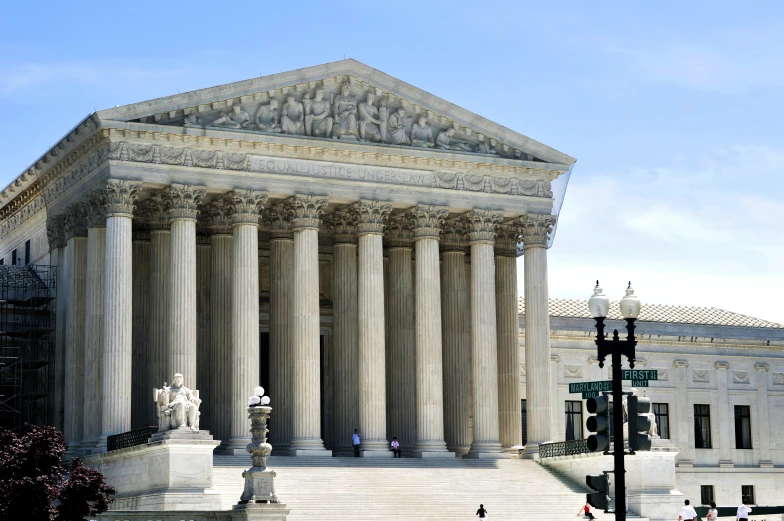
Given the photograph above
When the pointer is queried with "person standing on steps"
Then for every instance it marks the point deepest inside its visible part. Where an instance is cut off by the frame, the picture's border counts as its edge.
(482, 513)
(743, 511)
(587, 510)
(355, 441)
(687, 512)
(395, 448)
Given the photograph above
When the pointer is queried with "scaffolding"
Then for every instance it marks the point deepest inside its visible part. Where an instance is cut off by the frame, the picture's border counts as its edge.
(27, 362)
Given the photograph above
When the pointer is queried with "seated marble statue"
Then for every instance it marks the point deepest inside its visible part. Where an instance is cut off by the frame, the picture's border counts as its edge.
(318, 121)
(396, 129)
(292, 119)
(447, 141)
(178, 406)
(421, 134)
(369, 121)
(483, 147)
(236, 118)
(267, 117)
(344, 110)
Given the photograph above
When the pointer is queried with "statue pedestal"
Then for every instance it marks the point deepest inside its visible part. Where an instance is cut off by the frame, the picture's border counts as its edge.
(173, 471)
(259, 487)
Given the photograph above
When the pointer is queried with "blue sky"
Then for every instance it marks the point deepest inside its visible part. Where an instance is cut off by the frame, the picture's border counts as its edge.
(673, 109)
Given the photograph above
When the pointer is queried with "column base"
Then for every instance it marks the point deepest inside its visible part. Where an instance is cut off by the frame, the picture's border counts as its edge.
(483, 450)
(89, 446)
(74, 450)
(233, 447)
(531, 451)
(460, 450)
(308, 447)
(726, 464)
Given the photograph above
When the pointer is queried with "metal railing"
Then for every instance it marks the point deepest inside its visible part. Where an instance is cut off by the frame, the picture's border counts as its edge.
(563, 448)
(130, 438)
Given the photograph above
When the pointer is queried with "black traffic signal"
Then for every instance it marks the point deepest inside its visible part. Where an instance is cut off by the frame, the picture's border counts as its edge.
(639, 423)
(600, 424)
(601, 498)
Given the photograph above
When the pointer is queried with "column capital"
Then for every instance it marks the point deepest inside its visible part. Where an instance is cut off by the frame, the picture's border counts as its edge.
(306, 211)
(55, 231)
(427, 220)
(278, 219)
(721, 365)
(96, 209)
(152, 212)
(217, 217)
(245, 206)
(677, 364)
(507, 236)
(343, 225)
(399, 231)
(454, 235)
(536, 228)
(121, 194)
(182, 201)
(761, 367)
(482, 225)
(371, 216)
(75, 221)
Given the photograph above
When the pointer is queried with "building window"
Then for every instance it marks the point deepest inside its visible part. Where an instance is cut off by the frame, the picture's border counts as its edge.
(747, 494)
(742, 427)
(662, 413)
(2, 261)
(13, 258)
(702, 431)
(523, 416)
(27, 252)
(706, 494)
(574, 420)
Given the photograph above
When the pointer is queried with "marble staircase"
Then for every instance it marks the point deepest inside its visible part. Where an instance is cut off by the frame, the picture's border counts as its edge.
(395, 489)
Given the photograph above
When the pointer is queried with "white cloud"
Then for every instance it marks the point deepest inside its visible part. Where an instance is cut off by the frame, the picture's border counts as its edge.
(710, 234)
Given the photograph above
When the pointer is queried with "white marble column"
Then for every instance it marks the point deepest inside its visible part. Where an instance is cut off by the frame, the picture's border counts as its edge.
(307, 211)
(345, 329)
(203, 312)
(427, 221)
(456, 322)
(221, 372)
(536, 230)
(763, 414)
(508, 326)
(55, 232)
(245, 208)
(117, 307)
(93, 326)
(401, 348)
(183, 205)
(76, 261)
(371, 218)
(684, 415)
(143, 409)
(154, 210)
(278, 220)
(724, 416)
(484, 341)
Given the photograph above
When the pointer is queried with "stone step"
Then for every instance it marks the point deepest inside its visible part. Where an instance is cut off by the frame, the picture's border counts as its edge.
(367, 489)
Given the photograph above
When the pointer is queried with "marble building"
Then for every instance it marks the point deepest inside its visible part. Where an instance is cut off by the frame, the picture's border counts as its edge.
(341, 237)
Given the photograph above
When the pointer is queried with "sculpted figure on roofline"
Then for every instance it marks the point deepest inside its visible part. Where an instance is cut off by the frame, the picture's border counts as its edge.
(340, 116)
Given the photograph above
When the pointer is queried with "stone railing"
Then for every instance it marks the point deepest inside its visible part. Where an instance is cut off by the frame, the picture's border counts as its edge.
(130, 438)
(563, 448)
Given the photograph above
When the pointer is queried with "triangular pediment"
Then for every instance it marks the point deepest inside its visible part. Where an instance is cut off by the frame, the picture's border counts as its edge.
(331, 101)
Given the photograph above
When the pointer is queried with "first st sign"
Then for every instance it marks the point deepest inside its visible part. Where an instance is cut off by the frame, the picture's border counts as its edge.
(640, 377)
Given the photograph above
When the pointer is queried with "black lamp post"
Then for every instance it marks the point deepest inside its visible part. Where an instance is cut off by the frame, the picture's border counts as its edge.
(599, 306)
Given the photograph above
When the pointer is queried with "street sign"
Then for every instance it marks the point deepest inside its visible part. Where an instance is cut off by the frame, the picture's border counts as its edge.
(639, 383)
(591, 394)
(640, 374)
(591, 387)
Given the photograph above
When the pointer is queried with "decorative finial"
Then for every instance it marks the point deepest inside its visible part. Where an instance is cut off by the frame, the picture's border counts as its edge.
(630, 285)
(597, 283)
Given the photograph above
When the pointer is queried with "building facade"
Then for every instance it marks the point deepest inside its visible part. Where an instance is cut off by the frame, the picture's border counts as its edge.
(340, 236)
(719, 398)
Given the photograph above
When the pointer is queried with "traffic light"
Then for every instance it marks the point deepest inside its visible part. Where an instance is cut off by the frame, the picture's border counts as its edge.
(600, 424)
(639, 423)
(601, 498)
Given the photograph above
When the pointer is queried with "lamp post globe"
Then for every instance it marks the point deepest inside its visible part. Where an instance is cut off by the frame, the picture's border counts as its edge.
(630, 304)
(599, 303)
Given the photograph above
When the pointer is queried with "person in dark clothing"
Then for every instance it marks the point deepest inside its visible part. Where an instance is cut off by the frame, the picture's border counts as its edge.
(482, 513)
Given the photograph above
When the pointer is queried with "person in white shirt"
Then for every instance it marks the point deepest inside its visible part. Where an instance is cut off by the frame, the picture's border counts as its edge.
(713, 514)
(687, 512)
(395, 447)
(743, 512)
